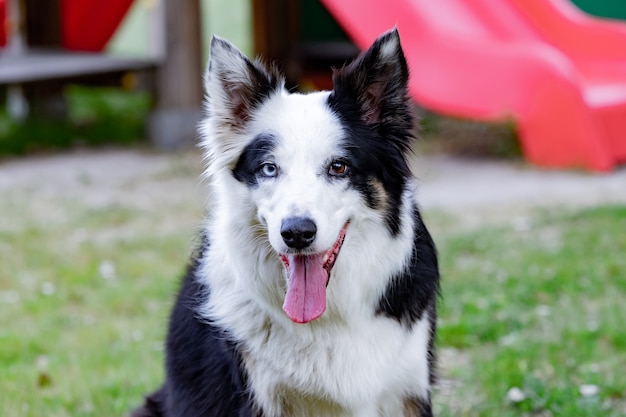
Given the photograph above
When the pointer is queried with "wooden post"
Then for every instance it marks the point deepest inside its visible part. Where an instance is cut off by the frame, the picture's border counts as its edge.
(43, 23)
(43, 30)
(179, 89)
(276, 33)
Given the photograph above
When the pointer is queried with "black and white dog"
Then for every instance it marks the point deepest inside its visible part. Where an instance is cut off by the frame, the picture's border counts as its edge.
(314, 290)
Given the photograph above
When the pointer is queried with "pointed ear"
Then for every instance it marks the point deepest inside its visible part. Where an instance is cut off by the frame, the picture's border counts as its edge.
(235, 85)
(377, 80)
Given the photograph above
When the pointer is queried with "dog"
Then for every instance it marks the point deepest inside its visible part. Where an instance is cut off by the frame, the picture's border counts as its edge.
(314, 289)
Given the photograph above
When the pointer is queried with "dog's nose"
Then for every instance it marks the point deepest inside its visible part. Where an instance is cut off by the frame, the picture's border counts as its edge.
(298, 232)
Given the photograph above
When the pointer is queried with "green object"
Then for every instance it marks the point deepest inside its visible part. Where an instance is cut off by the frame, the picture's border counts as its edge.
(96, 116)
(317, 25)
(615, 9)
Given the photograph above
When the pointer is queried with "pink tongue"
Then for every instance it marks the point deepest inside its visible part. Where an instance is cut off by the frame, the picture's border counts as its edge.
(306, 290)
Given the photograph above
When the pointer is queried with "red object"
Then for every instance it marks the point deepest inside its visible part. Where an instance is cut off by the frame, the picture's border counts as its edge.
(558, 73)
(89, 24)
(3, 35)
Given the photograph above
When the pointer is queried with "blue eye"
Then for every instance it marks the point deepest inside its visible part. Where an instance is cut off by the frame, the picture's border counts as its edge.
(269, 170)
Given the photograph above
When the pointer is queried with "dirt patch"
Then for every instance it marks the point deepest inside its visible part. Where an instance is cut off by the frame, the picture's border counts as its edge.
(99, 179)
(471, 191)
(477, 191)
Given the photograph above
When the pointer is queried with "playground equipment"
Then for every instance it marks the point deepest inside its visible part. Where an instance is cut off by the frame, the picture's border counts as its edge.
(86, 25)
(558, 73)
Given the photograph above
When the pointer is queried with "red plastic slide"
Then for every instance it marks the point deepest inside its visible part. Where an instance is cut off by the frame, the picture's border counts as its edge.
(87, 25)
(558, 73)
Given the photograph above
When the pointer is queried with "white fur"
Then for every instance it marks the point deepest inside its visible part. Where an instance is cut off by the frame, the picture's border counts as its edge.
(389, 49)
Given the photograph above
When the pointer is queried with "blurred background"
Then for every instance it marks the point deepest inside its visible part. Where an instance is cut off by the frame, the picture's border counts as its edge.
(520, 167)
(547, 76)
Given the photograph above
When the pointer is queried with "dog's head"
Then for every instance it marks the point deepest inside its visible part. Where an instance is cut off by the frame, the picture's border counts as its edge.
(310, 168)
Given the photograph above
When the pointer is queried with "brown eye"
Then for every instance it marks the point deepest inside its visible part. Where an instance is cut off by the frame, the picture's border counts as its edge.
(338, 169)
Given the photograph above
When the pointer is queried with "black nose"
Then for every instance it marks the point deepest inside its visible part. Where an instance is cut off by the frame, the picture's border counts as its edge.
(298, 232)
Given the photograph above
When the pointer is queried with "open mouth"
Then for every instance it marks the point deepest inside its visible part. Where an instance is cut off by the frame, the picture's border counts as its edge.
(308, 276)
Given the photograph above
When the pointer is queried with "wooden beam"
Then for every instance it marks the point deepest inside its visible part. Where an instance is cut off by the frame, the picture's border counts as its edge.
(179, 89)
(275, 28)
(277, 34)
(180, 75)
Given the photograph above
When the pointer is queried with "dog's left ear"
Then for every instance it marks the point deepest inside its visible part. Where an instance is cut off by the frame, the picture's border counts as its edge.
(377, 81)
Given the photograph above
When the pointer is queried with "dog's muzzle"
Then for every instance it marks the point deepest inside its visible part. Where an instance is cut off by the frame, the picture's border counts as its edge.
(308, 274)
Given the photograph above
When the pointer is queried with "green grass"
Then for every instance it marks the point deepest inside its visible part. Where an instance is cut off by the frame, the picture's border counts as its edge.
(96, 116)
(85, 291)
(539, 308)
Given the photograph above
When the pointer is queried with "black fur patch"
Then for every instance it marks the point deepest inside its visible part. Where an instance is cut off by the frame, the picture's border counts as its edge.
(205, 377)
(414, 291)
(370, 98)
(253, 155)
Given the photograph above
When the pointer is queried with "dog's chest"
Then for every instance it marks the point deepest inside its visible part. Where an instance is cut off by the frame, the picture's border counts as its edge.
(360, 370)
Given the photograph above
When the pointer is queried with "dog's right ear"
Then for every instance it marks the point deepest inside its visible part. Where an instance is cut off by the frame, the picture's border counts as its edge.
(235, 85)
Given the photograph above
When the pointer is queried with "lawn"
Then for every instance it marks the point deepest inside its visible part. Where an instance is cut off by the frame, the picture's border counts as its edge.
(531, 316)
